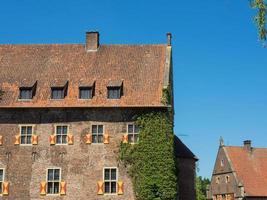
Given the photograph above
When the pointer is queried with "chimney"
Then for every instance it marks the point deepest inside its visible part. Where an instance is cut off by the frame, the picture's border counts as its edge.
(169, 39)
(92, 41)
(247, 145)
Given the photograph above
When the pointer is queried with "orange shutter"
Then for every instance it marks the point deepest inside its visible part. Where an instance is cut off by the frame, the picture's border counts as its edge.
(52, 139)
(106, 138)
(34, 139)
(88, 138)
(70, 139)
(5, 188)
(17, 140)
(125, 138)
(1, 140)
(100, 187)
(120, 187)
(43, 188)
(63, 188)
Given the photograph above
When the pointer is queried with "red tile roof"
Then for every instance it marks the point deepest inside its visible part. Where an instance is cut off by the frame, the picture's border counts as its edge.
(139, 67)
(251, 168)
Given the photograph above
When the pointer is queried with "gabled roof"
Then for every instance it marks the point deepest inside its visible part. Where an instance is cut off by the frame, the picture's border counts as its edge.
(140, 68)
(250, 168)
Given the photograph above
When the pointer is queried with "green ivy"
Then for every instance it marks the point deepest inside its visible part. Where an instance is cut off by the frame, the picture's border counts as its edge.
(260, 18)
(151, 162)
(166, 97)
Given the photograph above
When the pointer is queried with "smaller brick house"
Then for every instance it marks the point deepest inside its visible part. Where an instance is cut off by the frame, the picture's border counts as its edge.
(239, 173)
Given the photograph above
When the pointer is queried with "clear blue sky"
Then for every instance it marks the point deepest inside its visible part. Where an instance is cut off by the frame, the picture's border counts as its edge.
(220, 68)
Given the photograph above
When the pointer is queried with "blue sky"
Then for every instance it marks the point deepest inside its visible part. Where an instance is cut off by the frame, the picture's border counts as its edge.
(220, 67)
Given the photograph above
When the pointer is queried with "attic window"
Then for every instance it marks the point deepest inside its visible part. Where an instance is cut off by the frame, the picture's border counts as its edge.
(86, 93)
(115, 89)
(59, 92)
(27, 92)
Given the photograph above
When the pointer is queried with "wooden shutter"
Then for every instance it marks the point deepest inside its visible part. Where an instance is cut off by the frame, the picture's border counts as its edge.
(88, 138)
(100, 187)
(52, 139)
(1, 140)
(17, 140)
(125, 138)
(5, 188)
(70, 138)
(43, 188)
(34, 139)
(120, 188)
(63, 188)
(106, 138)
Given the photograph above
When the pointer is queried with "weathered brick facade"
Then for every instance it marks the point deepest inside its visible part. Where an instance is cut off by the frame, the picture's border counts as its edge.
(144, 71)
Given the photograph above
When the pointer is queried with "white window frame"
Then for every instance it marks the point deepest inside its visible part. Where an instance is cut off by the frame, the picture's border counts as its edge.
(53, 168)
(1, 192)
(134, 133)
(55, 133)
(97, 124)
(227, 179)
(20, 128)
(217, 179)
(117, 175)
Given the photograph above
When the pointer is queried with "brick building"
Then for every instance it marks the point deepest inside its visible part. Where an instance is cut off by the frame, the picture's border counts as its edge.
(66, 109)
(239, 173)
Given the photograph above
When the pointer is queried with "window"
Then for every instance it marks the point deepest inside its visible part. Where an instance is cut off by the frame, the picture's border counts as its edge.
(25, 134)
(97, 133)
(217, 180)
(222, 162)
(57, 93)
(25, 93)
(133, 133)
(61, 134)
(227, 179)
(114, 92)
(110, 180)
(86, 93)
(53, 181)
(1, 180)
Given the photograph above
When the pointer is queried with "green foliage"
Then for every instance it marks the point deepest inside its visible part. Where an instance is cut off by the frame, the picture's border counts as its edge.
(151, 162)
(166, 97)
(201, 186)
(260, 18)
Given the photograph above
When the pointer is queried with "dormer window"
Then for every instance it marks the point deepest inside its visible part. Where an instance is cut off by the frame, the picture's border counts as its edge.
(27, 92)
(115, 89)
(85, 93)
(60, 91)
(57, 93)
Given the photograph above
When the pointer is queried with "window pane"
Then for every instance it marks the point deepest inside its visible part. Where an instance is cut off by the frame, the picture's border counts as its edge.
(1, 190)
(114, 92)
(107, 174)
(136, 129)
(113, 187)
(23, 130)
(58, 139)
(65, 130)
(50, 188)
(25, 93)
(56, 187)
(85, 93)
(56, 174)
(29, 130)
(58, 93)
(95, 139)
(100, 138)
(94, 129)
(131, 138)
(130, 128)
(113, 174)
(58, 129)
(29, 139)
(107, 187)
(100, 128)
(50, 174)
(64, 139)
(1, 175)
(136, 138)
(23, 139)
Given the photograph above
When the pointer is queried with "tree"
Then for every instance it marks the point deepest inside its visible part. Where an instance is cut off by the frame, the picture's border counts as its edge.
(201, 186)
(260, 18)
